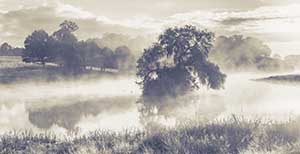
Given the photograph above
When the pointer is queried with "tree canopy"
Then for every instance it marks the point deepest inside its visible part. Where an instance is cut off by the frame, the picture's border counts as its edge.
(178, 63)
(239, 53)
(38, 47)
(124, 58)
(64, 49)
(8, 50)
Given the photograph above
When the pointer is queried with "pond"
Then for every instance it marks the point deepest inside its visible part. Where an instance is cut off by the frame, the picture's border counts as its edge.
(111, 104)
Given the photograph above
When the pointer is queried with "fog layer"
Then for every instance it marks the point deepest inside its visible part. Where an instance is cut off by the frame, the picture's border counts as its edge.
(84, 106)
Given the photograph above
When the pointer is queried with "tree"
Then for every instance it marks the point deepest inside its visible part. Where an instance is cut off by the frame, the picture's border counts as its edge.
(38, 48)
(238, 52)
(109, 61)
(178, 63)
(65, 33)
(92, 54)
(5, 47)
(8, 50)
(67, 47)
(69, 26)
(124, 58)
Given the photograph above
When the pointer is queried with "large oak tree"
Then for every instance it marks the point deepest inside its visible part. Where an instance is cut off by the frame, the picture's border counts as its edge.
(178, 63)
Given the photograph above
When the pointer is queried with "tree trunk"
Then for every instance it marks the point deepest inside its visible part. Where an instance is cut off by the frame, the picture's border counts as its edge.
(43, 63)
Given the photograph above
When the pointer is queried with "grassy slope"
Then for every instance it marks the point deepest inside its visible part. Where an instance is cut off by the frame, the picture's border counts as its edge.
(13, 70)
(232, 136)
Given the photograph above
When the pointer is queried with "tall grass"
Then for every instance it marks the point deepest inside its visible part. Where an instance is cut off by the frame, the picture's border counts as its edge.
(233, 136)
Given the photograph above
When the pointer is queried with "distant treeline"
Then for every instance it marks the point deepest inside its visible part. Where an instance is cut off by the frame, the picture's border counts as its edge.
(8, 50)
(63, 49)
(117, 51)
(238, 53)
(293, 60)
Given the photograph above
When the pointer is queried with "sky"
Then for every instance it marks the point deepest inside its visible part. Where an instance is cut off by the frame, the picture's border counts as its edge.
(276, 22)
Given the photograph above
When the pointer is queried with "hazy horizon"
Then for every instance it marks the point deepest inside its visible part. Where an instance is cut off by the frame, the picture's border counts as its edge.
(275, 22)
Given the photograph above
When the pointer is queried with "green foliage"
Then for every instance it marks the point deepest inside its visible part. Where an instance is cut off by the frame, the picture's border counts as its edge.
(178, 62)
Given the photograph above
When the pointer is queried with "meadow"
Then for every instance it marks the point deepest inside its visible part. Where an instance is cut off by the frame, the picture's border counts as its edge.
(13, 70)
(230, 136)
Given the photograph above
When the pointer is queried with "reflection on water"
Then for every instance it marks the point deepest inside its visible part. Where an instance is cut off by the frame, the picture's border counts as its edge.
(111, 104)
(67, 116)
(65, 106)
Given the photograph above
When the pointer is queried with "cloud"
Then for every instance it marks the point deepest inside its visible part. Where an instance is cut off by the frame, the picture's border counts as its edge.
(154, 8)
(70, 11)
(238, 21)
(268, 21)
(17, 24)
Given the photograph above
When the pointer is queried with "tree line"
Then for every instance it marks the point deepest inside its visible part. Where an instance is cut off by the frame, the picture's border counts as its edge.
(239, 53)
(179, 61)
(65, 50)
(117, 51)
(8, 50)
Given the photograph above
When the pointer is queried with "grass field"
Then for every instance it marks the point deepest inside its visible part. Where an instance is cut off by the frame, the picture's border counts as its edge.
(13, 70)
(12, 62)
(231, 136)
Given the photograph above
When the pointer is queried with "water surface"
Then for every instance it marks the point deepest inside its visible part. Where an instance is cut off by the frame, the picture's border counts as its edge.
(110, 104)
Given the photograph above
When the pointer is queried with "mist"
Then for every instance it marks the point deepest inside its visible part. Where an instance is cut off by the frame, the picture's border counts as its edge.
(50, 99)
(109, 104)
(238, 53)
